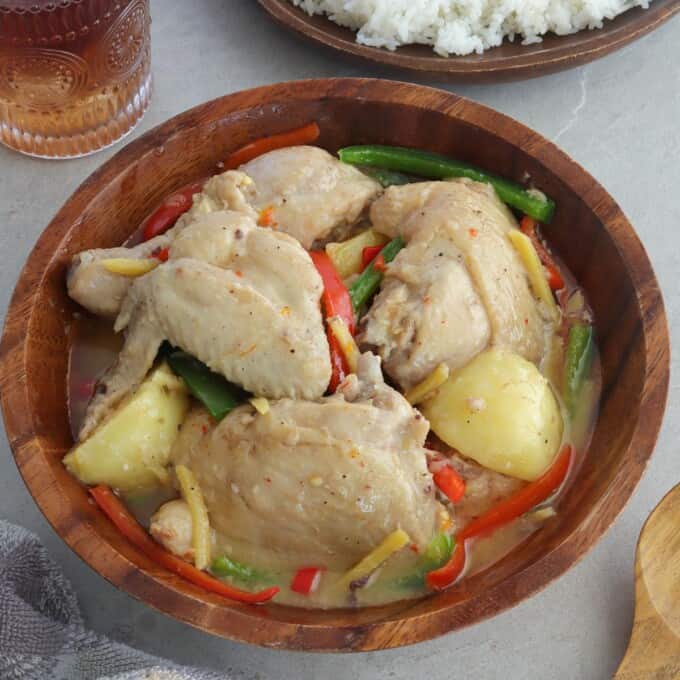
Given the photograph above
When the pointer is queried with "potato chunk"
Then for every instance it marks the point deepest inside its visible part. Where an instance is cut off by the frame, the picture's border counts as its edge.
(501, 412)
(346, 256)
(130, 450)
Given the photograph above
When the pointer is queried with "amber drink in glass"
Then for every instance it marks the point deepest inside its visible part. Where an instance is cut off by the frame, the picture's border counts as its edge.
(74, 74)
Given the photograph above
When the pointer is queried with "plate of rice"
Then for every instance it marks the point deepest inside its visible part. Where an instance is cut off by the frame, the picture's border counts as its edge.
(474, 40)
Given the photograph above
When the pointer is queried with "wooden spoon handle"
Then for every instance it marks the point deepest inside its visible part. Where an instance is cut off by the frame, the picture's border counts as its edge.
(653, 654)
(654, 649)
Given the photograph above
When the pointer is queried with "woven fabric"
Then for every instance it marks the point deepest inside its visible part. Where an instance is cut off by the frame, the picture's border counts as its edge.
(42, 634)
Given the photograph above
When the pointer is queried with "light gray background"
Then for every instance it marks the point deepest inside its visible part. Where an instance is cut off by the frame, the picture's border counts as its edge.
(619, 118)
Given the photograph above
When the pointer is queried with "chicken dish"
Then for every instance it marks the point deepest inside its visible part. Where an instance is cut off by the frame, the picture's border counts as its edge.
(331, 381)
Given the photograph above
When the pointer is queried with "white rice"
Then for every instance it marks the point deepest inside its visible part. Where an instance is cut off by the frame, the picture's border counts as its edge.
(464, 26)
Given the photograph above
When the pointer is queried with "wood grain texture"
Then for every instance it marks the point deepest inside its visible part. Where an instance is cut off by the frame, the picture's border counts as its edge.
(509, 61)
(589, 232)
(654, 649)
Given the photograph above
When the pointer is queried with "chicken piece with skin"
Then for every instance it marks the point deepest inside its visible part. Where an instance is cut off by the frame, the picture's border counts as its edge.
(311, 193)
(243, 300)
(302, 191)
(100, 291)
(457, 287)
(427, 313)
(315, 483)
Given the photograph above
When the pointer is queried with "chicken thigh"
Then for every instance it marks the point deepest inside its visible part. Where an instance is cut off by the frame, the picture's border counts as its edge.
(302, 191)
(456, 288)
(243, 300)
(315, 483)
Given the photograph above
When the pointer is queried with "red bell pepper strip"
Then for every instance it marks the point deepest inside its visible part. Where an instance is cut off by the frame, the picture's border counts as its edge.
(523, 500)
(336, 302)
(555, 279)
(114, 509)
(169, 210)
(500, 514)
(450, 483)
(304, 135)
(339, 366)
(441, 578)
(368, 254)
(306, 580)
(336, 299)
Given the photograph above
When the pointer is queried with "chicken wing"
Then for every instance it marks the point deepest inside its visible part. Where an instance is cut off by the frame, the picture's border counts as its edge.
(243, 300)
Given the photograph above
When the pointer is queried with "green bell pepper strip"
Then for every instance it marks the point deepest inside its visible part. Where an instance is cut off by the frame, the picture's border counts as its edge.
(369, 280)
(387, 178)
(436, 554)
(436, 166)
(439, 550)
(579, 359)
(225, 567)
(217, 394)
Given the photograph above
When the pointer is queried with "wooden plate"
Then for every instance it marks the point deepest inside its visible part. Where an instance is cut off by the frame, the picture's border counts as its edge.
(589, 232)
(510, 61)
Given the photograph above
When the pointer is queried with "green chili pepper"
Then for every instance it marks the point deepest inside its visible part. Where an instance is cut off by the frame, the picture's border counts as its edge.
(387, 178)
(436, 166)
(578, 362)
(369, 280)
(436, 554)
(217, 394)
(225, 567)
(439, 551)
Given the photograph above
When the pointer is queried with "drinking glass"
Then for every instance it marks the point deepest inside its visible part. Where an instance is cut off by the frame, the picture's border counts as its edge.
(74, 74)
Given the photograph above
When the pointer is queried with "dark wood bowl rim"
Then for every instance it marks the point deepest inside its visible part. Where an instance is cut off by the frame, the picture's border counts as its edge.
(250, 624)
(510, 61)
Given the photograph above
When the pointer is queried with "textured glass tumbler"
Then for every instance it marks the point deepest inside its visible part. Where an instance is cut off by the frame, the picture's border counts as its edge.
(74, 74)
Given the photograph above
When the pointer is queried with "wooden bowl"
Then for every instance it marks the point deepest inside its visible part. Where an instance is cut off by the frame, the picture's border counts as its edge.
(509, 61)
(589, 232)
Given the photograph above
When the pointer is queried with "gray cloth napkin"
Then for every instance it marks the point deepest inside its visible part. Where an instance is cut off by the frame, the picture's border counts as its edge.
(42, 634)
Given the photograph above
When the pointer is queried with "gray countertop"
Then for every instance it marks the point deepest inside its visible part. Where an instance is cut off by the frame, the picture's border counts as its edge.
(619, 117)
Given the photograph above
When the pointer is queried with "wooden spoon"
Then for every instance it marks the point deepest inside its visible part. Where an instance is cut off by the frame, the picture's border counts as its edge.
(654, 649)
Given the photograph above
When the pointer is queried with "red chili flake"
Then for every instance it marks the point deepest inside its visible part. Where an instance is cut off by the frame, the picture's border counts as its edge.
(473, 233)
(161, 254)
(414, 548)
(526, 322)
(204, 429)
(239, 274)
(266, 217)
(379, 263)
